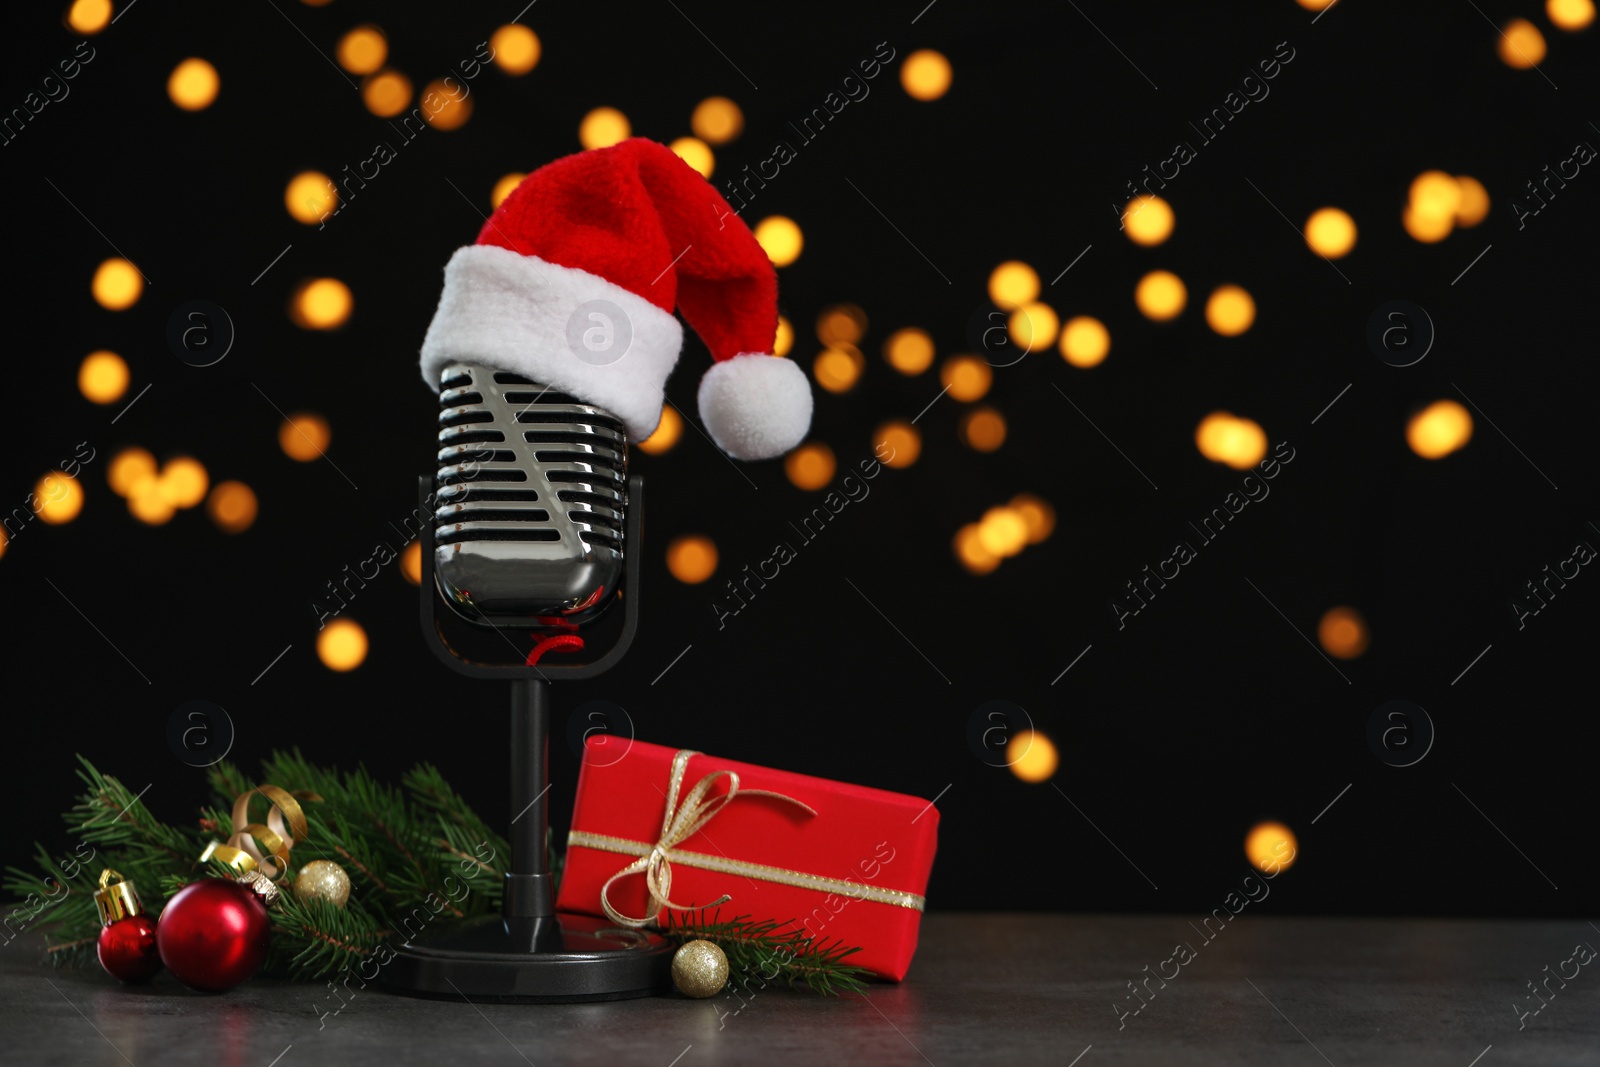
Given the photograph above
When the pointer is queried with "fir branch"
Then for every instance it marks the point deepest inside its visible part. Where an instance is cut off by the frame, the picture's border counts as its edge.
(764, 950)
(399, 845)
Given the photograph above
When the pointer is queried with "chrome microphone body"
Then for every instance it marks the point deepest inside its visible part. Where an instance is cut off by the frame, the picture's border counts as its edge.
(530, 499)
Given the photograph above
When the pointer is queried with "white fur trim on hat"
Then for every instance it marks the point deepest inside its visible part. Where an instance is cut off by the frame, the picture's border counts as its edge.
(531, 317)
(756, 406)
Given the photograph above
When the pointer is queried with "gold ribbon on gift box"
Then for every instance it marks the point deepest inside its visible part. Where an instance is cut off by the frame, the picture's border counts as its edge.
(682, 821)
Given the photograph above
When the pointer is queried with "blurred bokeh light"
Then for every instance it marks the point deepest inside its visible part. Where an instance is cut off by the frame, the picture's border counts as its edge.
(1343, 632)
(1439, 429)
(692, 558)
(666, 433)
(925, 74)
(810, 466)
(1160, 296)
(342, 645)
(103, 377)
(1032, 756)
(1330, 232)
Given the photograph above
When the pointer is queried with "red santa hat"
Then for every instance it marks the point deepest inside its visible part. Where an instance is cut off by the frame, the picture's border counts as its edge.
(573, 281)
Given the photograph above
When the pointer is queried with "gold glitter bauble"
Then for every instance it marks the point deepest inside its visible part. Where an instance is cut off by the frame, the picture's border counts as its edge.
(322, 880)
(699, 969)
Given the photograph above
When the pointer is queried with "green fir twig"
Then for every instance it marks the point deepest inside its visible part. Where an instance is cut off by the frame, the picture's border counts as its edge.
(760, 951)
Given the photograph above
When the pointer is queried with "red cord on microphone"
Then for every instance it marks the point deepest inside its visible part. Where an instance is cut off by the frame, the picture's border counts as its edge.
(556, 642)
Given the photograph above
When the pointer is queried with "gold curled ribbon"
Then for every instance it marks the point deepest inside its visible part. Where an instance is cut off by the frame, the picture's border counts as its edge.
(285, 825)
(680, 822)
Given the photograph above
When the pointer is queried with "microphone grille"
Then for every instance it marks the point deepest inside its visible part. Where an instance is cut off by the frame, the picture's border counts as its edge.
(530, 498)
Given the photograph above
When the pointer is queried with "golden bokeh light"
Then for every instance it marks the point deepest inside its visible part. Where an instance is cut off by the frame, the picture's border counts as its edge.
(838, 369)
(362, 50)
(1003, 531)
(717, 120)
(1315, 5)
(1439, 429)
(89, 17)
(1085, 341)
(783, 340)
(117, 284)
(130, 469)
(103, 377)
(183, 482)
(1012, 284)
(1343, 632)
(193, 84)
(983, 429)
(1037, 515)
(925, 74)
(604, 127)
(1474, 206)
(841, 324)
(1433, 192)
(1160, 296)
(1147, 220)
(1032, 756)
(1230, 310)
(1033, 326)
(386, 93)
(1271, 847)
(4, 540)
(780, 238)
(966, 377)
(696, 153)
(505, 187)
(897, 444)
(411, 562)
(1570, 15)
(1521, 45)
(1225, 438)
(304, 436)
(57, 498)
(147, 505)
(321, 304)
(666, 433)
(515, 48)
(1330, 232)
(232, 506)
(969, 550)
(309, 196)
(342, 645)
(909, 350)
(444, 108)
(810, 466)
(692, 559)
(1429, 229)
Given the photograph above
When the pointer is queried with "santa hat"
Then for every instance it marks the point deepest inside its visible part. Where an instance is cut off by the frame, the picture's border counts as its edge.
(573, 281)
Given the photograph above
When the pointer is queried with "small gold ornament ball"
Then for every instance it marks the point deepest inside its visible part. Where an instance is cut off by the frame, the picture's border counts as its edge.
(699, 969)
(322, 880)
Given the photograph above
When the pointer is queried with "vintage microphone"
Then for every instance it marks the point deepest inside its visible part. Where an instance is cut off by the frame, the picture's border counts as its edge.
(533, 531)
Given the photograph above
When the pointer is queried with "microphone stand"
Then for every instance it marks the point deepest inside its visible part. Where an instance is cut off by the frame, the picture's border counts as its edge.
(530, 953)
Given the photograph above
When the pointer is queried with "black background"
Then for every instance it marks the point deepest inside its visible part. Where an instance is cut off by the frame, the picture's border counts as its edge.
(1205, 715)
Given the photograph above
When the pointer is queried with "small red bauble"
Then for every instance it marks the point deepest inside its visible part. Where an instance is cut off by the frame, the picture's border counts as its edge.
(128, 948)
(213, 934)
(127, 941)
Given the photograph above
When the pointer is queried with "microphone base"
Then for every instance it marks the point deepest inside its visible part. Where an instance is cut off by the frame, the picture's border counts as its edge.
(581, 958)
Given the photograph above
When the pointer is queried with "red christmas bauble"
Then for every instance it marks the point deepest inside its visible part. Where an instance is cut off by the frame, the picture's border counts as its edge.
(128, 948)
(213, 935)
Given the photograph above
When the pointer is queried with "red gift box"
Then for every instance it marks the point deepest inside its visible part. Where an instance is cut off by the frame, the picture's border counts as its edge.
(847, 863)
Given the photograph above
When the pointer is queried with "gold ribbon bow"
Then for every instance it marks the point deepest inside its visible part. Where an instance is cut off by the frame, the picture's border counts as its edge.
(678, 824)
(286, 824)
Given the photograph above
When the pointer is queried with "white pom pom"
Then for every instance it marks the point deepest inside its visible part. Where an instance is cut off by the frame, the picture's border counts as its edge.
(756, 406)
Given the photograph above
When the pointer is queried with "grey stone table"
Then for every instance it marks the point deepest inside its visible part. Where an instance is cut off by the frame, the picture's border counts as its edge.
(1002, 989)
